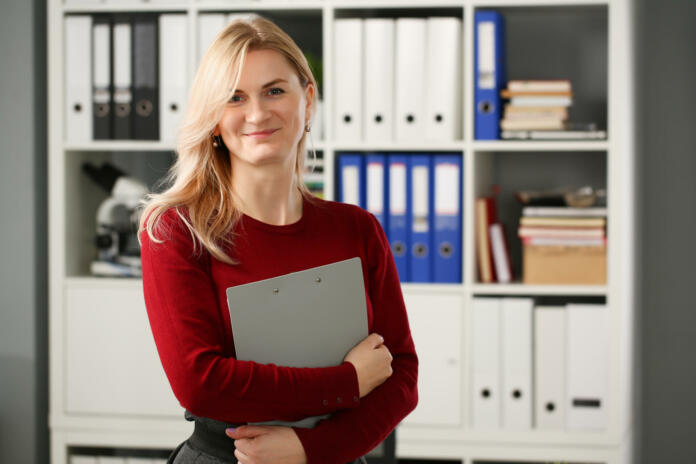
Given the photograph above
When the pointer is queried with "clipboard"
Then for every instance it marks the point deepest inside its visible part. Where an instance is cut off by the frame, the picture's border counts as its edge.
(309, 318)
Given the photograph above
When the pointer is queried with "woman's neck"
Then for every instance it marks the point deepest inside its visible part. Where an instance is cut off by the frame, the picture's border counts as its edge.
(268, 194)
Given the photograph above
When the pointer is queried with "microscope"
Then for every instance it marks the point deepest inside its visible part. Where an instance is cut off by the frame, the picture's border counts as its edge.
(118, 251)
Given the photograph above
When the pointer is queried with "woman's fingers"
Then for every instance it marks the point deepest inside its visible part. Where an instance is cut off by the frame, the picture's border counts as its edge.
(241, 457)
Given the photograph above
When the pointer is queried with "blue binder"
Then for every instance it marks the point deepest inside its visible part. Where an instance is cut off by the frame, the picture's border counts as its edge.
(399, 213)
(377, 187)
(351, 179)
(421, 185)
(447, 230)
(489, 69)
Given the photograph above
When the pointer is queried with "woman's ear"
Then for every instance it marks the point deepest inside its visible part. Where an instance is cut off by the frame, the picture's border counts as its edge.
(309, 97)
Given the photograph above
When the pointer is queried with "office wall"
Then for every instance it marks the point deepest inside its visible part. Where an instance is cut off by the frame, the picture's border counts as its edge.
(666, 131)
(23, 254)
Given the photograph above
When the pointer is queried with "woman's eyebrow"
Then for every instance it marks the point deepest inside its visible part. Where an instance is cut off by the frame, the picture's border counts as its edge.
(273, 82)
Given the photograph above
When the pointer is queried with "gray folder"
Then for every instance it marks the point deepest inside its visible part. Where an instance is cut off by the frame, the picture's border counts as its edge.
(310, 318)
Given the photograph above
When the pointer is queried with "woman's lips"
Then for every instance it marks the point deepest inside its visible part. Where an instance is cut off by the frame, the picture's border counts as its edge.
(262, 134)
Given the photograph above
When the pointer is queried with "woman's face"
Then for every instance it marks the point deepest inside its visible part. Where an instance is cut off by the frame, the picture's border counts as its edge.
(265, 119)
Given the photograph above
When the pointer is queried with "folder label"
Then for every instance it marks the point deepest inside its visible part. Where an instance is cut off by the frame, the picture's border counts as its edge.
(486, 50)
(420, 199)
(446, 189)
(397, 189)
(351, 185)
(375, 196)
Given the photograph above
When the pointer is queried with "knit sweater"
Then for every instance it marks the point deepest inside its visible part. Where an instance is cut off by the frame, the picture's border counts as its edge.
(185, 296)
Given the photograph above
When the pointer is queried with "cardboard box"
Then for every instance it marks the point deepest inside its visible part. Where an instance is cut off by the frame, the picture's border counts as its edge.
(561, 264)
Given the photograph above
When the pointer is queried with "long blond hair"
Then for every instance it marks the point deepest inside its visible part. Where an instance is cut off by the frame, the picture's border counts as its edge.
(201, 178)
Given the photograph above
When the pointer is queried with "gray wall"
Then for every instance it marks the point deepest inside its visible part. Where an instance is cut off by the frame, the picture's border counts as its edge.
(666, 128)
(23, 254)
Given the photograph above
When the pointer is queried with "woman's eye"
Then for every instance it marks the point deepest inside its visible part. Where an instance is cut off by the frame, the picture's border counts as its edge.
(235, 98)
(276, 91)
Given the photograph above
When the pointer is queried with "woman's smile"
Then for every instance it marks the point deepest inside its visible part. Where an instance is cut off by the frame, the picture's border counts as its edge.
(261, 135)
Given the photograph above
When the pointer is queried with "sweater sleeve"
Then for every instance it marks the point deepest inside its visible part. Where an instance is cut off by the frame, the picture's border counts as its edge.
(187, 326)
(380, 411)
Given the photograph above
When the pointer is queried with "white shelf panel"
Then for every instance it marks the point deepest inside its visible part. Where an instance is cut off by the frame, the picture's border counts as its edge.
(103, 282)
(394, 4)
(121, 145)
(533, 3)
(418, 288)
(524, 289)
(125, 7)
(550, 145)
(399, 146)
(204, 6)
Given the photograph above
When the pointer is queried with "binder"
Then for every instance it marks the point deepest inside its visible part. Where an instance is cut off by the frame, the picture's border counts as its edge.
(78, 82)
(209, 26)
(399, 213)
(379, 84)
(145, 78)
(447, 230)
(173, 48)
(410, 78)
(420, 256)
(489, 69)
(587, 369)
(517, 362)
(377, 187)
(348, 73)
(550, 367)
(101, 72)
(443, 80)
(123, 83)
(351, 179)
(486, 342)
(309, 318)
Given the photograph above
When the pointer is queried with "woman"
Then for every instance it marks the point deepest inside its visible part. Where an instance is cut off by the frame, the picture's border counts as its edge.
(237, 211)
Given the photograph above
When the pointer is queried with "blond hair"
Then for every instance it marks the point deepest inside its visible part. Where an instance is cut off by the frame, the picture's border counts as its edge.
(201, 178)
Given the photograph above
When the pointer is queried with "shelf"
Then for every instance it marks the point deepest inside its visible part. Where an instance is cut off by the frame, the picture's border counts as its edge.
(101, 282)
(454, 145)
(538, 145)
(126, 7)
(524, 289)
(121, 145)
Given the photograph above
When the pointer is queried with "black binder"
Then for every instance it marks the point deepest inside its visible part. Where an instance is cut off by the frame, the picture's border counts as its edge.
(145, 78)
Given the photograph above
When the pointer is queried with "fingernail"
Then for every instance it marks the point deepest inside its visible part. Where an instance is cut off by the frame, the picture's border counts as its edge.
(230, 430)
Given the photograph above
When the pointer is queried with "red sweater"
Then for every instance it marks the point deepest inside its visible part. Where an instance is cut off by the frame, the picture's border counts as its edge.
(185, 296)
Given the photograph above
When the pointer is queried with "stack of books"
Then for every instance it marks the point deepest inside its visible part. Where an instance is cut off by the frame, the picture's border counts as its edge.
(538, 109)
(563, 245)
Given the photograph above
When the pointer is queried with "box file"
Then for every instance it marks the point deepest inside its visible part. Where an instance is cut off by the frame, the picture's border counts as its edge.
(78, 83)
(145, 78)
(101, 73)
(123, 79)
(420, 256)
(486, 378)
(351, 179)
(443, 79)
(377, 187)
(549, 367)
(517, 362)
(379, 84)
(587, 368)
(447, 218)
(348, 73)
(173, 48)
(489, 69)
(410, 78)
(399, 213)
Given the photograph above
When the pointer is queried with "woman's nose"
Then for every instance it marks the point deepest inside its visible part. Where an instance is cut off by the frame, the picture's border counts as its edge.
(257, 110)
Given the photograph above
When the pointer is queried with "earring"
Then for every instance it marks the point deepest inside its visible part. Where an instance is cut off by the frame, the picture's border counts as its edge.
(216, 141)
(307, 128)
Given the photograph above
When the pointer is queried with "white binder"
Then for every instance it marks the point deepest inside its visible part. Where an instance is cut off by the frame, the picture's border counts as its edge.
(443, 79)
(78, 78)
(517, 362)
(348, 75)
(379, 79)
(209, 25)
(588, 373)
(173, 47)
(550, 366)
(410, 78)
(486, 401)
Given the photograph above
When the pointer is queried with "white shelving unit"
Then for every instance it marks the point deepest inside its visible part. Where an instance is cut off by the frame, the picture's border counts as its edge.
(107, 388)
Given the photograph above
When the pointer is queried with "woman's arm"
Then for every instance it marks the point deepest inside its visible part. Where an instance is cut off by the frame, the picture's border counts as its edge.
(188, 329)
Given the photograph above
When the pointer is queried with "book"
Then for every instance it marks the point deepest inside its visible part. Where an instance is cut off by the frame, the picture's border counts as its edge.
(564, 211)
(554, 134)
(541, 101)
(486, 215)
(507, 93)
(501, 253)
(563, 221)
(532, 124)
(549, 85)
(561, 232)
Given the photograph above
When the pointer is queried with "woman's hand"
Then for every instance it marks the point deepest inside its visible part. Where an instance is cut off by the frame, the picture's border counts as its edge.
(267, 444)
(372, 361)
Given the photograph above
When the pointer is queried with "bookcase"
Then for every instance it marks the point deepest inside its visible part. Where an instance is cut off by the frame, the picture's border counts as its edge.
(107, 389)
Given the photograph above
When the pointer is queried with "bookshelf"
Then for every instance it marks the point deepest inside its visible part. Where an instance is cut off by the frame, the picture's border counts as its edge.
(95, 406)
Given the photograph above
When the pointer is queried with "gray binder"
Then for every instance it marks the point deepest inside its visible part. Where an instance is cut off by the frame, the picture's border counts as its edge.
(310, 318)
